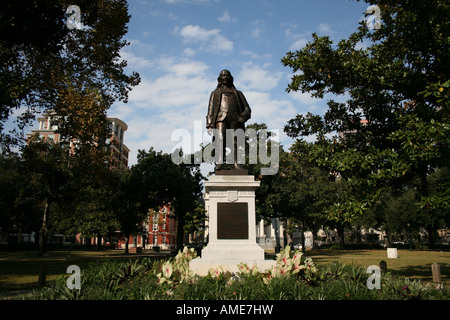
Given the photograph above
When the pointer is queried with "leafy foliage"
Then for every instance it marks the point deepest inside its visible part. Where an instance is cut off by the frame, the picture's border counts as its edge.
(75, 72)
(392, 128)
(156, 181)
(171, 280)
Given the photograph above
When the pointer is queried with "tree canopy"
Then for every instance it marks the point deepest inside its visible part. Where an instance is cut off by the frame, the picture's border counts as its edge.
(75, 72)
(160, 181)
(393, 127)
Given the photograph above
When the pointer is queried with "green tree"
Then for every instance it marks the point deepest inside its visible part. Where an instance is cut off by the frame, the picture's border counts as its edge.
(19, 212)
(393, 127)
(93, 212)
(89, 209)
(186, 191)
(195, 221)
(48, 179)
(303, 194)
(130, 211)
(46, 66)
(158, 181)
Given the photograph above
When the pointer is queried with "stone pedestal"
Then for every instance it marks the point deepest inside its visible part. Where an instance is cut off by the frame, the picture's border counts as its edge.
(230, 205)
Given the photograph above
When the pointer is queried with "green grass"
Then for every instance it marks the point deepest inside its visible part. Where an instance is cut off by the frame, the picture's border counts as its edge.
(20, 270)
(409, 264)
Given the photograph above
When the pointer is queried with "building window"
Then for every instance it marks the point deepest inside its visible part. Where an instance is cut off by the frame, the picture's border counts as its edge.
(155, 222)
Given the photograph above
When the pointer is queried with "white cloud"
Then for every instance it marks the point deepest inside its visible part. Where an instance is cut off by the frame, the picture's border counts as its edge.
(135, 62)
(325, 28)
(189, 52)
(121, 110)
(256, 56)
(183, 67)
(298, 44)
(298, 40)
(272, 112)
(170, 91)
(159, 14)
(256, 28)
(361, 45)
(226, 17)
(144, 133)
(134, 55)
(210, 40)
(192, 33)
(304, 98)
(174, 98)
(257, 78)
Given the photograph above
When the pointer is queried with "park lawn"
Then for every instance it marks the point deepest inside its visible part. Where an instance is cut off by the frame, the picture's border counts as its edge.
(20, 270)
(414, 264)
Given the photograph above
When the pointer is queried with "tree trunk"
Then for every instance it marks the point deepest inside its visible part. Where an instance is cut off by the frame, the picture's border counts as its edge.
(303, 241)
(99, 242)
(340, 230)
(19, 234)
(287, 234)
(43, 232)
(388, 238)
(127, 240)
(431, 233)
(313, 236)
(180, 233)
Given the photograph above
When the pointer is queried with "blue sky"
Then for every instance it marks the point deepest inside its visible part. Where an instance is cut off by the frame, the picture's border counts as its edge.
(179, 47)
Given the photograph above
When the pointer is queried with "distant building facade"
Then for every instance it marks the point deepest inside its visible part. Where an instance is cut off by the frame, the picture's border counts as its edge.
(119, 151)
(162, 229)
(159, 231)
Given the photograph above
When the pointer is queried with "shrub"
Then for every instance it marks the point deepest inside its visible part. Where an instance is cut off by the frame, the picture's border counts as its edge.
(293, 277)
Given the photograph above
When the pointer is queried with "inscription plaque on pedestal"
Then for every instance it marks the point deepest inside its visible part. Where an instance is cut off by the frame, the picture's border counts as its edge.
(230, 204)
(232, 220)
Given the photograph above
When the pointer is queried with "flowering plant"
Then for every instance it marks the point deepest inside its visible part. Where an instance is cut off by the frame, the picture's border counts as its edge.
(246, 270)
(290, 263)
(177, 271)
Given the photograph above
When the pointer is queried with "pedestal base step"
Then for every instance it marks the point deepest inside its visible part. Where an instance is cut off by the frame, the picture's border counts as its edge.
(228, 250)
(201, 267)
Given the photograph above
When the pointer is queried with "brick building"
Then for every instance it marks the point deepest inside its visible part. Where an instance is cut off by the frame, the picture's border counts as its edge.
(162, 228)
(158, 231)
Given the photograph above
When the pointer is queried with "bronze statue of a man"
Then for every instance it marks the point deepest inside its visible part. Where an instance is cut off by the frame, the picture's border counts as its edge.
(228, 109)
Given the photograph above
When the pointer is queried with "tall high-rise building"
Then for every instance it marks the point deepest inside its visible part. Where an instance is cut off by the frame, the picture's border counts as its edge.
(119, 151)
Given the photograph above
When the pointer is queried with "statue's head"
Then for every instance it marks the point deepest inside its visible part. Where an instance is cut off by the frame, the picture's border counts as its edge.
(225, 79)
